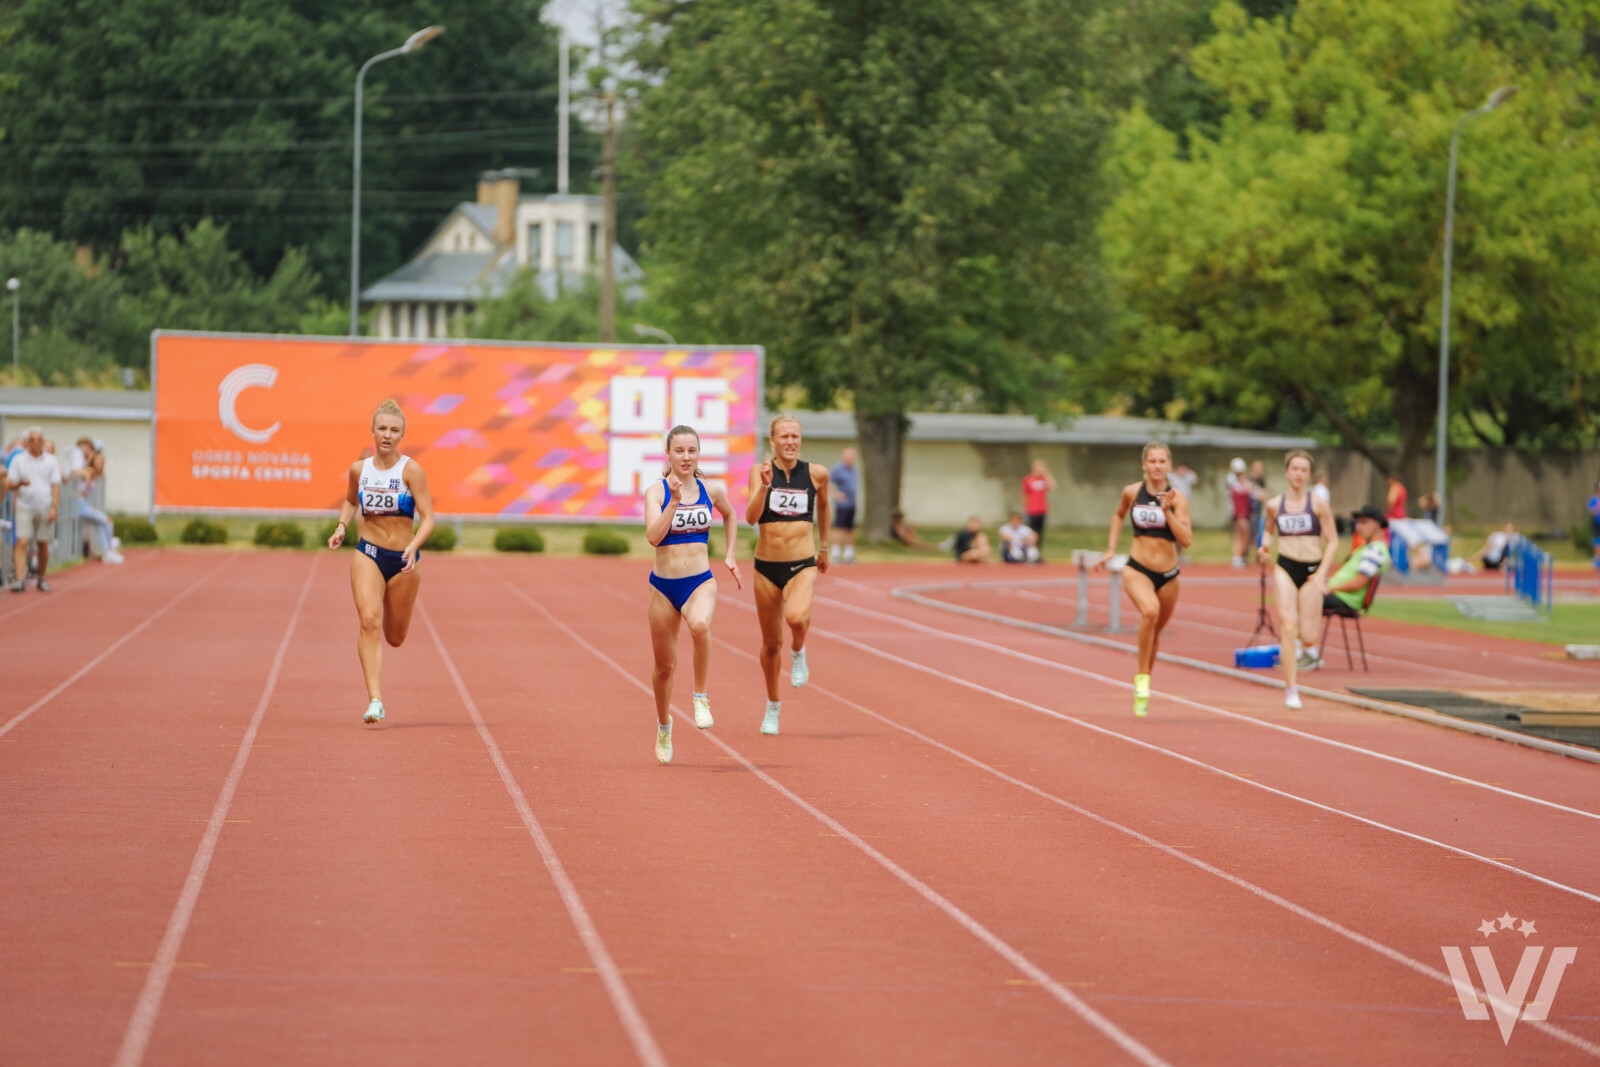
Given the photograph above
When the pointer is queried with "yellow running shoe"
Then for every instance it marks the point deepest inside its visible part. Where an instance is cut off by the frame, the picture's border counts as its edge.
(1141, 695)
(702, 712)
(664, 745)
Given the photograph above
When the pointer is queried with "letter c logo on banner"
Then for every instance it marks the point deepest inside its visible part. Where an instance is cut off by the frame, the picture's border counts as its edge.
(249, 376)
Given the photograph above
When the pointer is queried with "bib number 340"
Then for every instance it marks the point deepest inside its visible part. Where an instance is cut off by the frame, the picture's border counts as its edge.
(691, 520)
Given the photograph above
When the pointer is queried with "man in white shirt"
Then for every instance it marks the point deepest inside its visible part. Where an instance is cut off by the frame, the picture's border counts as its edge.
(1020, 544)
(36, 476)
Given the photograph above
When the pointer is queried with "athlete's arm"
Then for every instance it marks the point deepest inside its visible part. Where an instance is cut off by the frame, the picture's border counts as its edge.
(347, 508)
(760, 482)
(659, 522)
(422, 502)
(820, 479)
(1117, 516)
(1269, 527)
(1178, 518)
(730, 528)
(1330, 535)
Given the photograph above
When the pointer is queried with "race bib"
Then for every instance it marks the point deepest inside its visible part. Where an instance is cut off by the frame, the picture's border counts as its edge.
(789, 501)
(1148, 516)
(1294, 525)
(691, 518)
(379, 500)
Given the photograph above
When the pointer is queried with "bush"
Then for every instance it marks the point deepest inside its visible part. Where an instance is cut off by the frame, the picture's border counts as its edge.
(135, 531)
(518, 539)
(326, 532)
(605, 543)
(204, 532)
(280, 535)
(1582, 538)
(442, 539)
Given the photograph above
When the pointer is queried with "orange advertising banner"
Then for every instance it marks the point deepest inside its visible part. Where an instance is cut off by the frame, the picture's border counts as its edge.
(254, 423)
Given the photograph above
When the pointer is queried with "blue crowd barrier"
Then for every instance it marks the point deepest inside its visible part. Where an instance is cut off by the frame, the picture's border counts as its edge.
(1530, 574)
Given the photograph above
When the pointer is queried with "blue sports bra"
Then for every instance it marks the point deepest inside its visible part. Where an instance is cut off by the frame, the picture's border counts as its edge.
(691, 523)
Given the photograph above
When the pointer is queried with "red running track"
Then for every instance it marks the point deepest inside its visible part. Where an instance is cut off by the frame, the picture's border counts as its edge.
(962, 848)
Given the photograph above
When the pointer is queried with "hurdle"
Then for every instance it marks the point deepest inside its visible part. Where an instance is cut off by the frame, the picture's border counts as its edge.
(1530, 574)
(1085, 559)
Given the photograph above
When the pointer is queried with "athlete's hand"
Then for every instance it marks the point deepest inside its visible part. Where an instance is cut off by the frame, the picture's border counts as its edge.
(1164, 500)
(1100, 564)
(410, 557)
(1320, 584)
(766, 474)
(674, 483)
(822, 562)
(1263, 553)
(733, 568)
(338, 536)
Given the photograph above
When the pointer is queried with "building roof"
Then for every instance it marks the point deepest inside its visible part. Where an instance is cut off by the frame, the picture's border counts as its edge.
(447, 276)
(124, 405)
(1082, 430)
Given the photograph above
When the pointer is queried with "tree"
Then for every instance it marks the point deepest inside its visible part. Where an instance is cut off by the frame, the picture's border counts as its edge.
(70, 310)
(158, 113)
(894, 196)
(1289, 266)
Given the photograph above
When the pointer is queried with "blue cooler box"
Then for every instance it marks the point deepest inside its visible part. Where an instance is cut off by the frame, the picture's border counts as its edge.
(1259, 657)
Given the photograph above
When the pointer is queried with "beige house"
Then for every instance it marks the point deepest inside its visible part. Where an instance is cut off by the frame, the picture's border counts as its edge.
(480, 247)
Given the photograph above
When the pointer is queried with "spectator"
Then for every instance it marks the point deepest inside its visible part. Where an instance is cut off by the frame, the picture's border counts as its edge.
(1258, 498)
(1493, 553)
(36, 476)
(843, 482)
(1320, 490)
(1594, 526)
(1037, 486)
(1019, 543)
(1429, 503)
(1348, 586)
(1183, 479)
(92, 469)
(972, 544)
(906, 534)
(1239, 503)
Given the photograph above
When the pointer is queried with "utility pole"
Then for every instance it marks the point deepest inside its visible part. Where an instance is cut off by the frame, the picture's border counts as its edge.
(563, 106)
(608, 273)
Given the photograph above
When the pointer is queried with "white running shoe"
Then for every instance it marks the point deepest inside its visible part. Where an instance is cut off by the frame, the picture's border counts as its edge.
(111, 557)
(374, 712)
(663, 745)
(1291, 700)
(116, 543)
(769, 721)
(702, 712)
(799, 674)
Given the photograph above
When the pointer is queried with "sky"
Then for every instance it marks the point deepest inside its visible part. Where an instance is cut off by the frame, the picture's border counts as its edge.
(577, 17)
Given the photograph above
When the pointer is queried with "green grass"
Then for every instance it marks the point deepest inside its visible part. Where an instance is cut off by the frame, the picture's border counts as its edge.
(1570, 624)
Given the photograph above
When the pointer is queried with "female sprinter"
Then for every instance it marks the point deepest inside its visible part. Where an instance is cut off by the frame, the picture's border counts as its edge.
(788, 506)
(1161, 527)
(1307, 544)
(679, 526)
(389, 491)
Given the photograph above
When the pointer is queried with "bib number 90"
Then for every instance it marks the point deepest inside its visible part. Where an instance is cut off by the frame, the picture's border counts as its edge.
(1147, 517)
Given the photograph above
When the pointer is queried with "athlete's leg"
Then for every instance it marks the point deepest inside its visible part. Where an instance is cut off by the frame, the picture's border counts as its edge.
(697, 612)
(769, 612)
(1142, 592)
(366, 583)
(664, 645)
(399, 597)
(1168, 597)
(797, 606)
(1310, 615)
(1288, 598)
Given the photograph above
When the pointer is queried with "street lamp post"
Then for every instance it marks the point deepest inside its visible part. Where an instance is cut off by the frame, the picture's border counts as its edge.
(414, 42)
(1496, 98)
(15, 285)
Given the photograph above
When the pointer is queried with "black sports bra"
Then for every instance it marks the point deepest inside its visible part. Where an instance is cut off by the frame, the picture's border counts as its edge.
(1149, 518)
(1303, 523)
(791, 497)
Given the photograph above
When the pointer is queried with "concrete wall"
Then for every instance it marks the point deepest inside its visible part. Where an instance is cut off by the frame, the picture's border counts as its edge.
(127, 447)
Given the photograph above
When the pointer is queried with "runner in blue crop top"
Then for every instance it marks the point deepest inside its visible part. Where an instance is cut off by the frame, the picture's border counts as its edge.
(682, 587)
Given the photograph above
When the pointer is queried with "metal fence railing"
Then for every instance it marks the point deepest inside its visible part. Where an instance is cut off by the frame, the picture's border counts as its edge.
(1530, 574)
(68, 540)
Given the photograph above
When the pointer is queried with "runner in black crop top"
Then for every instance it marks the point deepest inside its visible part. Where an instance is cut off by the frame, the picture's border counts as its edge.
(1307, 541)
(1149, 518)
(791, 497)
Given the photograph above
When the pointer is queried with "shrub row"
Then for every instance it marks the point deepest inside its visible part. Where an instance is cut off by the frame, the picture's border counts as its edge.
(204, 532)
(135, 531)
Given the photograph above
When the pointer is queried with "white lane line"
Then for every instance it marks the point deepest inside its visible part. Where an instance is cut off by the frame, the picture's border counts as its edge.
(632, 1019)
(1074, 1003)
(136, 1039)
(118, 643)
(1265, 724)
(1171, 754)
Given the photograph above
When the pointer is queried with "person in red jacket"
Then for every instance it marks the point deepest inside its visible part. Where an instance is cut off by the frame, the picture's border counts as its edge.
(1037, 486)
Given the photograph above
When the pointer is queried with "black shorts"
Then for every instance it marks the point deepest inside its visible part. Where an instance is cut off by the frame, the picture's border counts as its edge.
(779, 573)
(390, 561)
(844, 518)
(1157, 578)
(1298, 572)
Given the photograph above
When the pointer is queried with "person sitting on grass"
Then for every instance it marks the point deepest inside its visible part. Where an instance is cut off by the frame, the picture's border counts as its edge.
(972, 544)
(902, 530)
(1019, 543)
(1495, 548)
(1348, 586)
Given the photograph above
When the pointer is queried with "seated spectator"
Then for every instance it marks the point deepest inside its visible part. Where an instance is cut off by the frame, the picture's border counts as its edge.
(902, 531)
(1348, 586)
(92, 467)
(972, 544)
(1019, 542)
(1493, 553)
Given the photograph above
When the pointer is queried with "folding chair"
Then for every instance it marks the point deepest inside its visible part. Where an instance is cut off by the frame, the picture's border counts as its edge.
(1344, 613)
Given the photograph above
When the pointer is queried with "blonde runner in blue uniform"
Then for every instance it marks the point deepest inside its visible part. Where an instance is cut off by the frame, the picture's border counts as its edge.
(788, 507)
(682, 588)
(390, 493)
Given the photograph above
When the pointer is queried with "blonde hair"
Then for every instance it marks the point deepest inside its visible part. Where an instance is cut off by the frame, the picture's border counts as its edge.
(679, 431)
(1298, 453)
(389, 407)
(1144, 455)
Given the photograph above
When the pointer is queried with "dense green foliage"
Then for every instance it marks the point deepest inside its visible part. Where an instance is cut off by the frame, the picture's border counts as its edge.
(605, 543)
(160, 113)
(200, 531)
(518, 539)
(135, 530)
(279, 535)
(1286, 270)
(441, 539)
(324, 534)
